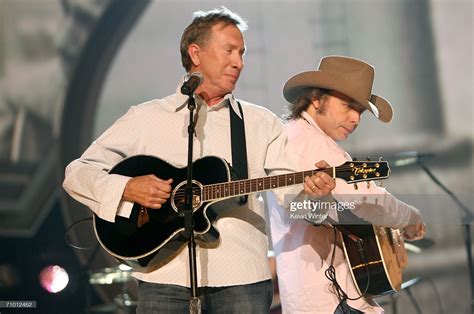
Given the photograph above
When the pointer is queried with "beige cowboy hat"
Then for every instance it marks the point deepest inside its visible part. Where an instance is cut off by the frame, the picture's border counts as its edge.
(349, 76)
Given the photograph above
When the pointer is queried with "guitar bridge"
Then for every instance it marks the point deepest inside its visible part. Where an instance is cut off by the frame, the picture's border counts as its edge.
(196, 201)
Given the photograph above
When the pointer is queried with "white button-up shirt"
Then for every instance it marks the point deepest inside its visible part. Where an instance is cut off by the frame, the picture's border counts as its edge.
(159, 128)
(303, 251)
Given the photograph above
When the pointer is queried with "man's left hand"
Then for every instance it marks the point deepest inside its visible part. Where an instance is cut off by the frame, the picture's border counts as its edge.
(320, 183)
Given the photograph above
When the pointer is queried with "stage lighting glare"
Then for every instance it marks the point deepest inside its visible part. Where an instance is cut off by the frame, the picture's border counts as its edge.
(124, 267)
(53, 278)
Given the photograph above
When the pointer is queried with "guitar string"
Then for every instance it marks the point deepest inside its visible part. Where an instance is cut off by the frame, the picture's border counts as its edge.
(216, 188)
(279, 178)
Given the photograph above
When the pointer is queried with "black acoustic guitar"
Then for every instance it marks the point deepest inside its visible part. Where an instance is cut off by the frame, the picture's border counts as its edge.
(150, 238)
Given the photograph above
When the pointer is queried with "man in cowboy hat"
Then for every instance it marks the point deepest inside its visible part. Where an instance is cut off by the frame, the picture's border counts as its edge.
(326, 106)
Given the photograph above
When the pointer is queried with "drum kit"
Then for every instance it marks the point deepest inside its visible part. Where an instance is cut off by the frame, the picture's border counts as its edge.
(125, 301)
(110, 275)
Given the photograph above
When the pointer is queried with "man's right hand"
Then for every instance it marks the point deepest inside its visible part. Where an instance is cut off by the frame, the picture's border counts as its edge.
(148, 191)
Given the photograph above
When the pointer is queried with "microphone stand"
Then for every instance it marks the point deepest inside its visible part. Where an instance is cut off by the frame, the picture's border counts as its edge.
(194, 302)
(466, 221)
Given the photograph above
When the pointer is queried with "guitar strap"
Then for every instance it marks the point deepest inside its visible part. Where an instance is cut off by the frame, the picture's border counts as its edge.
(238, 147)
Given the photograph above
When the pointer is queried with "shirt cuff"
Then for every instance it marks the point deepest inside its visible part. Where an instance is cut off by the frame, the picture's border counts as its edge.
(125, 209)
(110, 205)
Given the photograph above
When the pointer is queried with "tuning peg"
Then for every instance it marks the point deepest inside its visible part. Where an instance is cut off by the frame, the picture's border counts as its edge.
(380, 158)
(368, 184)
(368, 158)
(354, 159)
(381, 183)
(355, 186)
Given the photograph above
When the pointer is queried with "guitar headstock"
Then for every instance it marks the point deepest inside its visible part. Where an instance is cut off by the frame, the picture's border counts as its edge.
(358, 171)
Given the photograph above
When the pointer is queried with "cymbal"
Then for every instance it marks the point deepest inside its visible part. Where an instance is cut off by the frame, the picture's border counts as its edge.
(110, 275)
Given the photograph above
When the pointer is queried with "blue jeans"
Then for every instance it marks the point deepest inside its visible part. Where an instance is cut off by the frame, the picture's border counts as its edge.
(251, 298)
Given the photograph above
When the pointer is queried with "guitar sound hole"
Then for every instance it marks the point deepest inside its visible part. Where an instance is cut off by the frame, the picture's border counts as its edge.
(179, 203)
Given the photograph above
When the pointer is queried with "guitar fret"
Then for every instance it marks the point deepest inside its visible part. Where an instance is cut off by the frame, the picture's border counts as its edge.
(242, 187)
(274, 182)
(290, 178)
(222, 189)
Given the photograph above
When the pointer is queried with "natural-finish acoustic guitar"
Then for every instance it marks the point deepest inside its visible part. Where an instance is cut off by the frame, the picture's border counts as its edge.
(376, 257)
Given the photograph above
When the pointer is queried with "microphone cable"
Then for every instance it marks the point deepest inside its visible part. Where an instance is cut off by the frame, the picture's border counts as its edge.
(68, 230)
(330, 274)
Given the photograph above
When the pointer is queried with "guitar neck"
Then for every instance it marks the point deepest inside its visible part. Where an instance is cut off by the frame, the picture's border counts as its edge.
(248, 186)
(351, 171)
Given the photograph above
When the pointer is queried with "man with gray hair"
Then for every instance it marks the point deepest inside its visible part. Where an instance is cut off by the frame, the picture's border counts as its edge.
(232, 274)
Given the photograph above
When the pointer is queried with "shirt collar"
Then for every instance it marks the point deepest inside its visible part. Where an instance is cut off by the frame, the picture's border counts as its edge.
(182, 100)
(307, 117)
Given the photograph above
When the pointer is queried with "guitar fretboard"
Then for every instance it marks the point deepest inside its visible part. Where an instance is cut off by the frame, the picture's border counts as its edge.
(243, 187)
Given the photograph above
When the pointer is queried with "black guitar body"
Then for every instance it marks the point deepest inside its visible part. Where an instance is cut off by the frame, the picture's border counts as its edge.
(160, 239)
(151, 240)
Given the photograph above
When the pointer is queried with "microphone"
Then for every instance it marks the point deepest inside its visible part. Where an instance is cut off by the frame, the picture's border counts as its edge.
(408, 158)
(189, 86)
